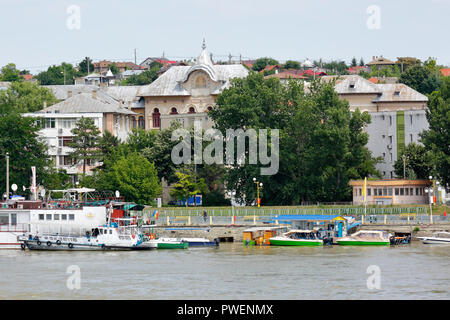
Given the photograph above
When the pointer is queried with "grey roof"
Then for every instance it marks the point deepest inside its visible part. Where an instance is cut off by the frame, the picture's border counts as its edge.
(86, 103)
(348, 84)
(61, 92)
(393, 92)
(168, 84)
(125, 93)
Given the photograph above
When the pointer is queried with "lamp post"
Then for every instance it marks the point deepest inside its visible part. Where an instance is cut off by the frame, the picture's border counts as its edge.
(258, 185)
(430, 191)
(7, 176)
(232, 194)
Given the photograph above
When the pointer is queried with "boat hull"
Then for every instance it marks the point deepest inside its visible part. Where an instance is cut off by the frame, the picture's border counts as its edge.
(33, 245)
(362, 243)
(293, 242)
(436, 241)
(169, 245)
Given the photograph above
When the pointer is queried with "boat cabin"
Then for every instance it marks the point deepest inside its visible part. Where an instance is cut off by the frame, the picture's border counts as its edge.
(302, 234)
(261, 235)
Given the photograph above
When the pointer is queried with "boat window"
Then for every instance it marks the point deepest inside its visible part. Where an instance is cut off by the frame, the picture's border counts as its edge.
(101, 231)
(64, 217)
(110, 231)
(71, 217)
(48, 217)
(56, 216)
(41, 217)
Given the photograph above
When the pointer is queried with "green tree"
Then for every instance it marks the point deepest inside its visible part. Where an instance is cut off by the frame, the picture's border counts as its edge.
(421, 78)
(146, 77)
(85, 142)
(436, 138)
(261, 63)
(136, 178)
(106, 144)
(114, 69)
(354, 63)
(361, 62)
(26, 97)
(187, 186)
(19, 137)
(321, 144)
(418, 162)
(290, 64)
(57, 75)
(83, 66)
(10, 73)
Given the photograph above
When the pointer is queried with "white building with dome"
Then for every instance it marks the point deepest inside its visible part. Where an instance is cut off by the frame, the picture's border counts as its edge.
(186, 93)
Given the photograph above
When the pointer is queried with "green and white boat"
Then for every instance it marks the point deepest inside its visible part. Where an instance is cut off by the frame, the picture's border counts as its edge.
(297, 238)
(366, 238)
(169, 243)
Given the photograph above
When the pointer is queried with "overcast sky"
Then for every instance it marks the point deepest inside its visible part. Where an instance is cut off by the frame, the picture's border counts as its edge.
(36, 34)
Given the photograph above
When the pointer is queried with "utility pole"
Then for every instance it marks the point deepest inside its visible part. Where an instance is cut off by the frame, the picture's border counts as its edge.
(134, 57)
(7, 176)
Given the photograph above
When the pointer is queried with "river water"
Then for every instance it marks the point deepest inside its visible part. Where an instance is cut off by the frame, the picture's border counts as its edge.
(232, 271)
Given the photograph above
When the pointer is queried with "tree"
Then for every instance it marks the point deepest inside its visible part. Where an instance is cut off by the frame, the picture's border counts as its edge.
(86, 66)
(10, 73)
(321, 145)
(261, 63)
(106, 144)
(26, 97)
(136, 178)
(63, 74)
(19, 137)
(436, 138)
(290, 64)
(420, 78)
(85, 142)
(418, 162)
(354, 63)
(146, 77)
(114, 69)
(361, 63)
(187, 186)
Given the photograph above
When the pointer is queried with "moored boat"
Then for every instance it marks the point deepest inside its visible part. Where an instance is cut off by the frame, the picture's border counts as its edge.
(168, 243)
(297, 238)
(366, 238)
(440, 237)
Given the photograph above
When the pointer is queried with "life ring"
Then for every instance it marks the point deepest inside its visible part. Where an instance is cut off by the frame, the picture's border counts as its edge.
(22, 246)
(38, 243)
(49, 243)
(58, 242)
(70, 245)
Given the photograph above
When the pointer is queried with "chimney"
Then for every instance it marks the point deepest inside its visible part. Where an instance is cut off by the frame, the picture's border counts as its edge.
(94, 94)
(69, 94)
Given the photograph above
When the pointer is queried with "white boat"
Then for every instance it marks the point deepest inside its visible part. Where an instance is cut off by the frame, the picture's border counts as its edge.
(440, 237)
(366, 238)
(106, 237)
(297, 238)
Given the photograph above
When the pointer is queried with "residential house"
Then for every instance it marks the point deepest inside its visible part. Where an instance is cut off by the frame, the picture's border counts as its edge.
(104, 65)
(58, 120)
(379, 62)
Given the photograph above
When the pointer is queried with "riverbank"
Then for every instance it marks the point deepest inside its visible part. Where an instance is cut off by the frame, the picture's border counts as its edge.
(234, 233)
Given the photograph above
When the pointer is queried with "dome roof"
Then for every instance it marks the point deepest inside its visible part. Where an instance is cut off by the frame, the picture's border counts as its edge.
(203, 63)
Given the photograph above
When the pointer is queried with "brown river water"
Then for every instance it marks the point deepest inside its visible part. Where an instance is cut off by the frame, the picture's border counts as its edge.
(231, 271)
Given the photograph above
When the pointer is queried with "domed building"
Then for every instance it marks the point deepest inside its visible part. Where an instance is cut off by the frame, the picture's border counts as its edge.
(186, 93)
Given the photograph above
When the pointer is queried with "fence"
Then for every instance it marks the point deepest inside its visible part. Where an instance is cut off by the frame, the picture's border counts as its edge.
(251, 211)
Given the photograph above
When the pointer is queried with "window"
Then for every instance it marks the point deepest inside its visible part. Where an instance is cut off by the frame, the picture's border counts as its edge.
(411, 137)
(133, 122)
(390, 156)
(48, 217)
(396, 192)
(209, 108)
(390, 120)
(56, 216)
(110, 231)
(191, 110)
(200, 82)
(41, 217)
(49, 123)
(173, 111)
(156, 117)
(141, 122)
(417, 191)
(411, 119)
(397, 93)
(411, 191)
(369, 191)
(64, 217)
(64, 141)
(384, 191)
(390, 191)
(406, 192)
(71, 217)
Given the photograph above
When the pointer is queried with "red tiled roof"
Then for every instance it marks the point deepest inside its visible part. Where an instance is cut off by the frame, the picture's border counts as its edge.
(374, 80)
(27, 76)
(445, 72)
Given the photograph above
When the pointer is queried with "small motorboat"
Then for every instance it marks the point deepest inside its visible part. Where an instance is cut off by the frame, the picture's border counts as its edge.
(366, 238)
(297, 238)
(440, 237)
(167, 243)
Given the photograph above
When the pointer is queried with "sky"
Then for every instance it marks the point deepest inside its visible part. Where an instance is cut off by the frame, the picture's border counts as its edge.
(37, 34)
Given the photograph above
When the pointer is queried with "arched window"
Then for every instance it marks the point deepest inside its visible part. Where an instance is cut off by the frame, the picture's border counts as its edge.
(141, 122)
(191, 110)
(200, 82)
(133, 122)
(208, 109)
(173, 111)
(156, 116)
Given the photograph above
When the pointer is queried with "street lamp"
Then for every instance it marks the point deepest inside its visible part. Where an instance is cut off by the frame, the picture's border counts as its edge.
(232, 194)
(258, 186)
(430, 191)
